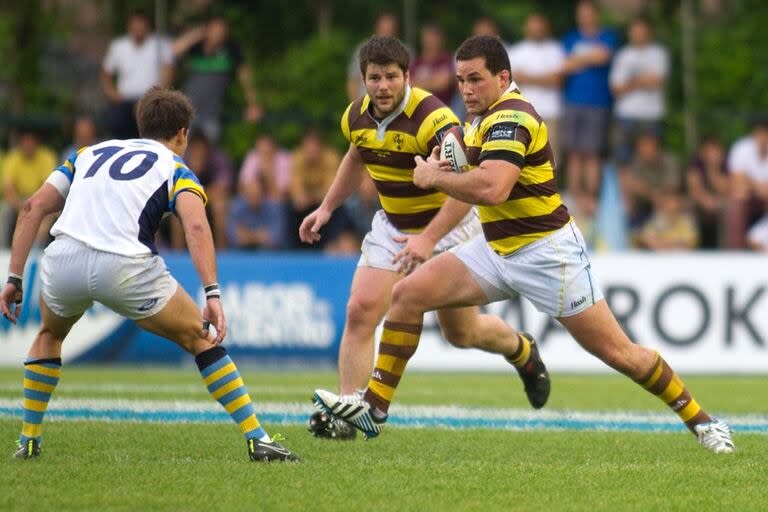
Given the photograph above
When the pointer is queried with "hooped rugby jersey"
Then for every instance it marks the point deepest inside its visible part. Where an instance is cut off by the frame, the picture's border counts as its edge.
(388, 148)
(119, 192)
(513, 131)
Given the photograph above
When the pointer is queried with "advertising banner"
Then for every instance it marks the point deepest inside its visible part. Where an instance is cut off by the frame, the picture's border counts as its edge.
(706, 312)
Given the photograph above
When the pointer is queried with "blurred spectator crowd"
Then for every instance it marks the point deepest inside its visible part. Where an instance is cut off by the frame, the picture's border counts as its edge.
(603, 103)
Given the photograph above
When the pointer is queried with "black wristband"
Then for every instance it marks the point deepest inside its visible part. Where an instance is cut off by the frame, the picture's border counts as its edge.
(212, 291)
(15, 281)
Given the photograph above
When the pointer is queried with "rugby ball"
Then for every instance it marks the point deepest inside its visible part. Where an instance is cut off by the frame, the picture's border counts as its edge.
(452, 148)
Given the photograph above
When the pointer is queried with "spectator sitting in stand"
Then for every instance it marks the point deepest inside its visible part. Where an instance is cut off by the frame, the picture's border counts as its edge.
(83, 134)
(650, 170)
(748, 168)
(363, 205)
(432, 70)
(25, 169)
(139, 60)
(708, 187)
(757, 236)
(214, 170)
(638, 76)
(314, 167)
(671, 227)
(272, 165)
(213, 60)
(254, 220)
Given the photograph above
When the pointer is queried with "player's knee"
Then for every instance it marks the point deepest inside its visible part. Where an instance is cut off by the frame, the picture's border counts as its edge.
(458, 336)
(361, 310)
(408, 296)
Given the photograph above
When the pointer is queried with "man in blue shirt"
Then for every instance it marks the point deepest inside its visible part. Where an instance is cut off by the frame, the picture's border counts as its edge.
(589, 49)
(254, 221)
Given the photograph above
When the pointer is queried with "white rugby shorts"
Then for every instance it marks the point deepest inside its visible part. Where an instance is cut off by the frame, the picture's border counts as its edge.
(379, 246)
(74, 276)
(554, 272)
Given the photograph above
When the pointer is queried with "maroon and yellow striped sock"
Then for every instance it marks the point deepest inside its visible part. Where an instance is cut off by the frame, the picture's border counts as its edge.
(663, 382)
(523, 352)
(398, 344)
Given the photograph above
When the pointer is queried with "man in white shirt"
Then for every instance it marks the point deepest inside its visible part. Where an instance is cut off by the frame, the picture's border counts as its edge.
(638, 76)
(536, 62)
(748, 169)
(138, 61)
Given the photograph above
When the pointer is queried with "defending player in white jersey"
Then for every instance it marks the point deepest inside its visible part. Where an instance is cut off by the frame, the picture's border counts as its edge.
(114, 195)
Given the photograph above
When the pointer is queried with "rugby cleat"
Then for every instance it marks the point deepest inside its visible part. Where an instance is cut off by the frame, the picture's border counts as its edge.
(259, 451)
(715, 436)
(324, 426)
(27, 450)
(534, 376)
(353, 409)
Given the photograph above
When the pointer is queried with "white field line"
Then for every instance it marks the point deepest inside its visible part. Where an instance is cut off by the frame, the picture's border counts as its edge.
(424, 412)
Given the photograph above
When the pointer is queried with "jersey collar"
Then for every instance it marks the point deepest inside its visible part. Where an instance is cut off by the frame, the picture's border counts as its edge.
(384, 123)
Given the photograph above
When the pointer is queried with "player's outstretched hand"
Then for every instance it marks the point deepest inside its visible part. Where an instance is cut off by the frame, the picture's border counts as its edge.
(214, 314)
(309, 231)
(10, 302)
(418, 248)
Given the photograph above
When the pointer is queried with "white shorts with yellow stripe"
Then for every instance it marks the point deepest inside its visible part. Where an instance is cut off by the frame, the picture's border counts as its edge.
(554, 272)
(379, 246)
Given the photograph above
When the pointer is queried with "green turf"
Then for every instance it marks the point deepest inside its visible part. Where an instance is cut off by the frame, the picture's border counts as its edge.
(132, 466)
(738, 395)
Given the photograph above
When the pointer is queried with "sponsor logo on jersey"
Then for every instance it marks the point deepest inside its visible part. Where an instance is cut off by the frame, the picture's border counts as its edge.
(577, 303)
(503, 131)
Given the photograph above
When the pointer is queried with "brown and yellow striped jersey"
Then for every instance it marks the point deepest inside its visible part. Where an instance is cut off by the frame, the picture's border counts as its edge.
(388, 148)
(513, 131)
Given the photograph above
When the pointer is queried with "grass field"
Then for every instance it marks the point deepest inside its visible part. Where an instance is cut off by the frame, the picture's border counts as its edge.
(165, 462)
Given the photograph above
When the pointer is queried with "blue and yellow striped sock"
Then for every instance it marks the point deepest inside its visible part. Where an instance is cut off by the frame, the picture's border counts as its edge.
(227, 387)
(40, 379)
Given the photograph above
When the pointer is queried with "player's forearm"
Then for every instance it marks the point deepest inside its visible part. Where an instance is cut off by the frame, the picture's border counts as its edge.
(474, 187)
(452, 212)
(27, 225)
(200, 245)
(347, 181)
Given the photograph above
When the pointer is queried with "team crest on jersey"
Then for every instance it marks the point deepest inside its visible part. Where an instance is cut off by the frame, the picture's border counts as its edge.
(360, 139)
(399, 140)
(503, 131)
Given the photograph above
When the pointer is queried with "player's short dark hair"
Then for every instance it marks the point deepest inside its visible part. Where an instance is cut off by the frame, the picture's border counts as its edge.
(383, 51)
(161, 113)
(488, 47)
